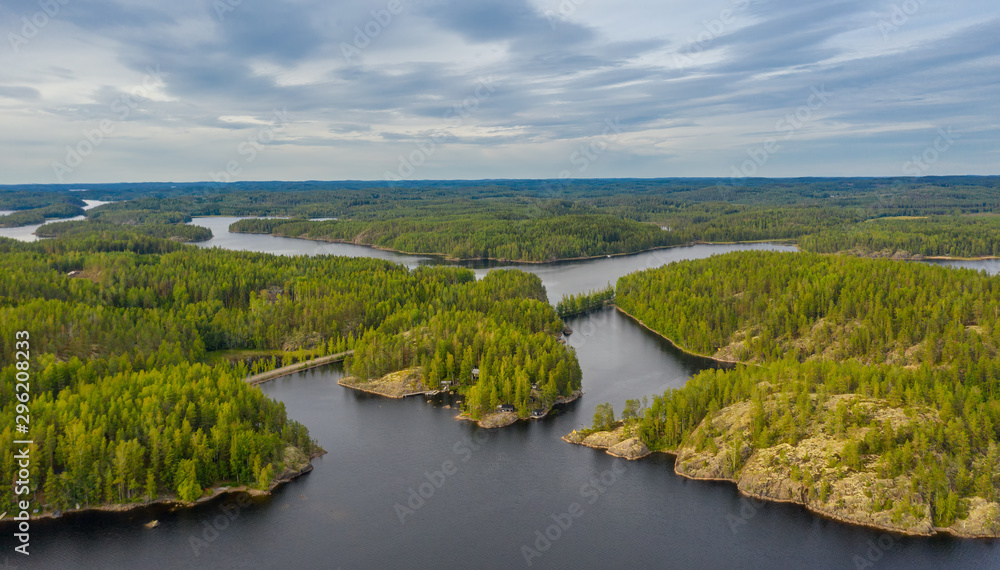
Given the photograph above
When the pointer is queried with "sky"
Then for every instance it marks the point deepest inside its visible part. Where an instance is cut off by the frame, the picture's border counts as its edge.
(236, 90)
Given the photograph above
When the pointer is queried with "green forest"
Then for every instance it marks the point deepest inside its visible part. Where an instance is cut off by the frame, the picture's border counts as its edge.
(934, 236)
(502, 325)
(548, 220)
(131, 400)
(477, 236)
(581, 303)
(897, 362)
(174, 231)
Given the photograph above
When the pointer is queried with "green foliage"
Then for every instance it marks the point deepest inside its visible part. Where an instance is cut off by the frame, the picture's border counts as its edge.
(175, 231)
(120, 321)
(500, 325)
(585, 302)
(604, 417)
(39, 215)
(125, 436)
(945, 236)
(810, 319)
(765, 306)
(503, 236)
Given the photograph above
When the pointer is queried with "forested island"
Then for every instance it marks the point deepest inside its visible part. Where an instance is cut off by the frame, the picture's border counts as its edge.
(868, 392)
(494, 341)
(140, 348)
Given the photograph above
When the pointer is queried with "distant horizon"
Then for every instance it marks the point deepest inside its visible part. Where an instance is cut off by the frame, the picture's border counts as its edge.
(70, 186)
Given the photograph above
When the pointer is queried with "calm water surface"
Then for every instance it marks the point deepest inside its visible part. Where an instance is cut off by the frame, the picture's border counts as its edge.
(502, 488)
(27, 233)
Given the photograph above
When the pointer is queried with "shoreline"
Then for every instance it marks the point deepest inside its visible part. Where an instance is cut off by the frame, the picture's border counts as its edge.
(505, 418)
(175, 503)
(510, 418)
(721, 361)
(822, 513)
(446, 257)
(297, 367)
(383, 394)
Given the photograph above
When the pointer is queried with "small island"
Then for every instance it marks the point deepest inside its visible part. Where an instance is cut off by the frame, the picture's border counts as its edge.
(411, 382)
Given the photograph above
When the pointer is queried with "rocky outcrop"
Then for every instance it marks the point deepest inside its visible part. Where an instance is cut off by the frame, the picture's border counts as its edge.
(399, 384)
(497, 420)
(810, 472)
(630, 449)
(616, 442)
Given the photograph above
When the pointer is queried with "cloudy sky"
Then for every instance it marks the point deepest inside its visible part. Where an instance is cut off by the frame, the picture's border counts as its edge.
(187, 90)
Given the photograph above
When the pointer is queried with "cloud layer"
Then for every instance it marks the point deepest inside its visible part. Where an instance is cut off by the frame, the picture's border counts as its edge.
(133, 90)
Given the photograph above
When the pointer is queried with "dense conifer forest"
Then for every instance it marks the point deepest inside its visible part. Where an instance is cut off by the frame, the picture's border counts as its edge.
(894, 364)
(131, 402)
(546, 220)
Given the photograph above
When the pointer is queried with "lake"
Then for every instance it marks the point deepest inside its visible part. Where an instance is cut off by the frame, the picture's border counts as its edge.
(488, 495)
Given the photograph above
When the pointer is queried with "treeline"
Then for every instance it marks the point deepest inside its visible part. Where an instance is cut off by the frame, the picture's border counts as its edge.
(174, 231)
(125, 215)
(39, 215)
(937, 236)
(483, 236)
(761, 306)
(580, 303)
(501, 326)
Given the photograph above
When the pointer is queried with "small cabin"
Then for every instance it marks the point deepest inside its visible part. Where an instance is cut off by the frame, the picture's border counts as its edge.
(445, 384)
(475, 374)
(506, 408)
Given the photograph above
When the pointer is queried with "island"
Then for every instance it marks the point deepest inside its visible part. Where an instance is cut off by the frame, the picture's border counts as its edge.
(495, 343)
(865, 390)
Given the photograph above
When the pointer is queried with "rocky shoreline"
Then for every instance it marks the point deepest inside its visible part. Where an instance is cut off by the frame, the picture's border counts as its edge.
(767, 474)
(406, 383)
(504, 419)
(401, 384)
